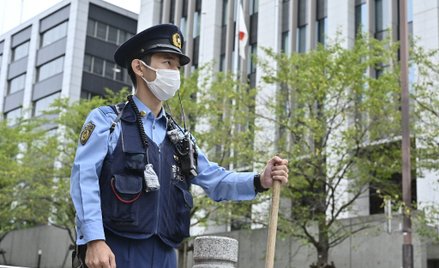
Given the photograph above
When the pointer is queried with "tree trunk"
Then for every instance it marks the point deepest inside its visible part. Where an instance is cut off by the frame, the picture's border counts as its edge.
(323, 247)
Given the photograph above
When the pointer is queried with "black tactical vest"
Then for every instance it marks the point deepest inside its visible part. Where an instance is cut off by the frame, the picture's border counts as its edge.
(127, 209)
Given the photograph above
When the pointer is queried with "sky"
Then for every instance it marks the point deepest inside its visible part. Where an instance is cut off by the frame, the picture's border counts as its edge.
(15, 12)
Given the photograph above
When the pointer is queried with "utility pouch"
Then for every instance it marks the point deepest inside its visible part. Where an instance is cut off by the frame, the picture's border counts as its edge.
(78, 256)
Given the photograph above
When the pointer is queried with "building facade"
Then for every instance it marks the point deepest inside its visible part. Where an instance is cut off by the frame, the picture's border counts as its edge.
(66, 51)
(295, 26)
(290, 26)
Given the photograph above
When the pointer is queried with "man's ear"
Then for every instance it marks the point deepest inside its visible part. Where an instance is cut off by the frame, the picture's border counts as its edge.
(137, 67)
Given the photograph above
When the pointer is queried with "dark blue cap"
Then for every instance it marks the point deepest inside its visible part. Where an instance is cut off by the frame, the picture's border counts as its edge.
(159, 38)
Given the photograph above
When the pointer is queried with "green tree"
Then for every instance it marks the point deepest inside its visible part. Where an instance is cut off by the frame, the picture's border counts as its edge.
(425, 127)
(340, 132)
(70, 119)
(24, 177)
(37, 156)
(220, 114)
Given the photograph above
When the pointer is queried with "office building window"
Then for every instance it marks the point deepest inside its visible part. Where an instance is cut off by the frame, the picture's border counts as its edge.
(321, 16)
(109, 69)
(50, 68)
(301, 39)
(172, 12)
(101, 30)
(222, 62)
(112, 35)
(54, 34)
(254, 7)
(122, 35)
(381, 18)
(107, 33)
(17, 83)
(184, 8)
(20, 51)
(251, 63)
(183, 25)
(361, 17)
(321, 30)
(104, 68)
(43, 104)
(88, 95)
(98, 66)
(285, 45)
(13, 116)
(301, 26)
(224, 16)
(88, 63)
(410, 16)
(197, 20)
(91, 27)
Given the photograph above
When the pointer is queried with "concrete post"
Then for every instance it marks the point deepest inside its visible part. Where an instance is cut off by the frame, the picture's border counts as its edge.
(215, 252)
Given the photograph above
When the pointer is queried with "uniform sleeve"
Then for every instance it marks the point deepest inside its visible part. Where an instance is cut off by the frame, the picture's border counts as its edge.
(221, 184)
(84, 181)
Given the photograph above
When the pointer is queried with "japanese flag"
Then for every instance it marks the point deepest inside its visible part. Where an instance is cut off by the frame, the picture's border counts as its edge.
(242, 32)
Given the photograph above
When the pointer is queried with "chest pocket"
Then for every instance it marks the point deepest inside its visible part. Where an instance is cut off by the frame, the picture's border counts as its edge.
(127, 189)
(135, 162)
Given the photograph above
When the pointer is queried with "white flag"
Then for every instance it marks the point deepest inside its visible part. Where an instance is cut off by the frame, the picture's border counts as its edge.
(242, 32)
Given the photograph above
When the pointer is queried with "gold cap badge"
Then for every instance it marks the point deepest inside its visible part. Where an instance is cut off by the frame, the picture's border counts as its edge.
(86, 132)
(176, 40)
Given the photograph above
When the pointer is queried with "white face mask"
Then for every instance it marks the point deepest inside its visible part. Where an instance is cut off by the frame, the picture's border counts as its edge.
(166, 83)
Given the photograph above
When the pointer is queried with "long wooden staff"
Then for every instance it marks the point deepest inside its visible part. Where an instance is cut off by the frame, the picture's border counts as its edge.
(272, 225)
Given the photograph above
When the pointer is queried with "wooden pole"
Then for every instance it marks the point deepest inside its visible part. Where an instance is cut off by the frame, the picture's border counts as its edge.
(407, 247)
(272, 225)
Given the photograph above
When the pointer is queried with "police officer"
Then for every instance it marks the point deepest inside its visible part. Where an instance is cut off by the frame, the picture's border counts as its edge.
(132, 170)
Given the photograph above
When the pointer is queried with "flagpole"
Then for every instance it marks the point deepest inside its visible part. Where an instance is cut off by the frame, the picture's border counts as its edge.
(243, 63)
(236, 56)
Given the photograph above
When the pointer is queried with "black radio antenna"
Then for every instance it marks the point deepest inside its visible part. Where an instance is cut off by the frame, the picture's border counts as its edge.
(183, 115)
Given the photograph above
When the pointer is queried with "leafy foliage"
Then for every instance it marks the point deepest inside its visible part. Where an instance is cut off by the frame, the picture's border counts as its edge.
(339, 130)
(38, 156)
(223, 110)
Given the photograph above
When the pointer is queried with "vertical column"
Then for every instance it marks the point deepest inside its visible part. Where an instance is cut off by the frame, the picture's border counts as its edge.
(371, 17)
(426, 30)
(165, 11)
(210, 32)
(4, 71)
(311, 17)
(426, 24)
(341, 21)
(30, 70)
(293, 24)
(268, 37)
(178, 11)
(149, 14)
(230, 34)
(341, 24)
(189, 47)
(393, 15)
(75, 47)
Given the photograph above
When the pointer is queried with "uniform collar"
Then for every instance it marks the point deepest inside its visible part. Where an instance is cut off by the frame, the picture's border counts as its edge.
(142, 107)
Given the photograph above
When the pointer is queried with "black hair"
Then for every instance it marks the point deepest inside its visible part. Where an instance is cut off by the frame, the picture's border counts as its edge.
(147, 60)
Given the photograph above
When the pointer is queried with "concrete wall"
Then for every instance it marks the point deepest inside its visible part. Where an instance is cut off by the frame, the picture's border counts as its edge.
(22, 247)
(374, 247)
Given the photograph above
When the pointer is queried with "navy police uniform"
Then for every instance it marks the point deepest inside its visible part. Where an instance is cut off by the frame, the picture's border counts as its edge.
(141, 227)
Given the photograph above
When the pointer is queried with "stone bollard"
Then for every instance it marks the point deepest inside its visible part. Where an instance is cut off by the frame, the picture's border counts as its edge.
(215, 252)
